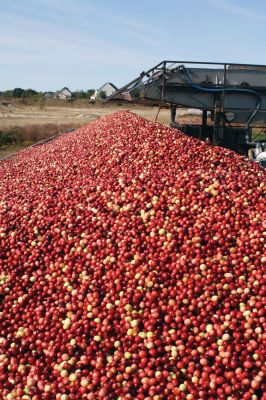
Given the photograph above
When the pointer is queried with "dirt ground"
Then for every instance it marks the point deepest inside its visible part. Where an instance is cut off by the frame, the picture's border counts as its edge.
(7, 151)
(24, 115)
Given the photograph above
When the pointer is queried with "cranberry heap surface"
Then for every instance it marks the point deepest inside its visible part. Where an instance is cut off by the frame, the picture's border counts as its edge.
(132, 266)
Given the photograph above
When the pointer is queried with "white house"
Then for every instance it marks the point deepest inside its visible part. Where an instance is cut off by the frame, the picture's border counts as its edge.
(64, 94)
(108, 88)
(48, 95)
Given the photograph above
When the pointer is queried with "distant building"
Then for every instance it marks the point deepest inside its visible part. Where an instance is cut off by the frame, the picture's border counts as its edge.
(64, 94)
(48, 95)
(108, 89)
(94, 95)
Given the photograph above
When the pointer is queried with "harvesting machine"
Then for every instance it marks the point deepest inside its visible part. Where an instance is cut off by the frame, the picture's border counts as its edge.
(231, 99)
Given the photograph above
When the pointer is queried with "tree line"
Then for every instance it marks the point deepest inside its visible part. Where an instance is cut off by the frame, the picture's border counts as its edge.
(19, 93)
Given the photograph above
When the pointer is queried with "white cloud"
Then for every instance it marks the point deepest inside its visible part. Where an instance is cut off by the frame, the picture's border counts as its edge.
(43, 38)
(239, 10)
(42, 48)
(70, 38)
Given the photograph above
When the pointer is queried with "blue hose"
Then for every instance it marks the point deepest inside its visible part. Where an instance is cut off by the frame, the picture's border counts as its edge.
(250, 91)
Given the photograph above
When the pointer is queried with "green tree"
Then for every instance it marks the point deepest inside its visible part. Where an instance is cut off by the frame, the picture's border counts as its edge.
(81, 94)
(18, 93)
(30, 93)
(102, 95)
(7, 94)
(90, 93)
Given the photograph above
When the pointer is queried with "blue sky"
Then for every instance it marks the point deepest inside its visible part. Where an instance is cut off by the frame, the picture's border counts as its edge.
(48, 44)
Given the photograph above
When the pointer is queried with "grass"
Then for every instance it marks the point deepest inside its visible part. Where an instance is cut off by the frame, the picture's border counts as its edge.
(258, 134)
(29, 134)
(8, 150)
